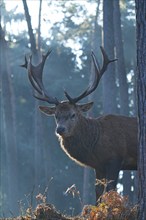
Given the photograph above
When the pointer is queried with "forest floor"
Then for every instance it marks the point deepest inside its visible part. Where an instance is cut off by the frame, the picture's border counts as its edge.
(111, 206)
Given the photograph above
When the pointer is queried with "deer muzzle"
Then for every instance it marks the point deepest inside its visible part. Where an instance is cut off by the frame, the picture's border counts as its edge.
(60, 130)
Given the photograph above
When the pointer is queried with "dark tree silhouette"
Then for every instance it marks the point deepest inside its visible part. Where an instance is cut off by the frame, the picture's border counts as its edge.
(123, 86)
(109, 86)
(141, 90)
(39, 153)
(8, 129)
(94, 46)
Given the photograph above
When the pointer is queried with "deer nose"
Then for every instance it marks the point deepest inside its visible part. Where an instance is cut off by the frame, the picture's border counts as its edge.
(60, 130)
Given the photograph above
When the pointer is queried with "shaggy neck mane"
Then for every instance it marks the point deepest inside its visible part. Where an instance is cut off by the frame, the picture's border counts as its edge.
(81, 144)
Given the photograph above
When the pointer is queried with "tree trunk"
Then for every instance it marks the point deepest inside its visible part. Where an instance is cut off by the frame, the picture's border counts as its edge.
(35, 60)
(39, 153)
(109, 86)
(123, 87)
(95, 47)
(30, 30)
(9, 148)
(141, 90)
(39, 27)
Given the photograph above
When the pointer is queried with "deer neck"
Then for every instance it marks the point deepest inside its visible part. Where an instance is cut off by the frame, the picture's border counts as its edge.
(82, 142)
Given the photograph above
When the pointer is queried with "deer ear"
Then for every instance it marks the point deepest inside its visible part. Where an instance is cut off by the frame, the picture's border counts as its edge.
(47, 110)
(85, 107)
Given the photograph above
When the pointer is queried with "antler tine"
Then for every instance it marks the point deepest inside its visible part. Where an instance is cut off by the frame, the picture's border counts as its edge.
(99, 71)
(46, 98)
(32, 77)
(25, 64)
(106, 61)
(98, 74)
(35, 74)
(91, 87)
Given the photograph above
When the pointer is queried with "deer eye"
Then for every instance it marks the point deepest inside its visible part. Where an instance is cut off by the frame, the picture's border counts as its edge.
(73, 116)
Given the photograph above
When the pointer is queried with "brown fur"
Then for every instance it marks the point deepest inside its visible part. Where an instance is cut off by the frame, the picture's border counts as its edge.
(98, 140)
(108, 143)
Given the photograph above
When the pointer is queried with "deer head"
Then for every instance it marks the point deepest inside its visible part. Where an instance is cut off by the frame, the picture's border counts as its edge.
(67, 113)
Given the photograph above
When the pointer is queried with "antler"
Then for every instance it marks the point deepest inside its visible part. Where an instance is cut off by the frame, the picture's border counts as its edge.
(35, 77)
(98, 74)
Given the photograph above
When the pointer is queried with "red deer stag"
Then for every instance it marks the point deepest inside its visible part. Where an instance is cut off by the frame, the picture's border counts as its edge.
(108, 143)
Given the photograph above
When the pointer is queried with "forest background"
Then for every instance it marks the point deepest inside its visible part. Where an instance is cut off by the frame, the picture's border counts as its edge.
(31, 158)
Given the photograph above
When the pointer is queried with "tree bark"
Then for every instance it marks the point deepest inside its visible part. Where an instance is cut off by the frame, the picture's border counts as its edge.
(39, 124)
(141, 91)
(9, 147)
(39, 27)
(123, 86)
(95, 47)
(30, 30)
(109, 86)
(35, 57)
